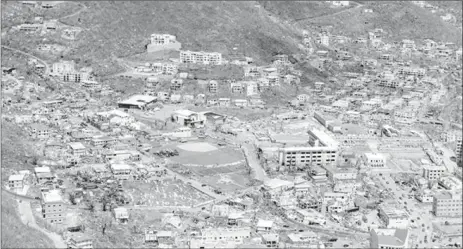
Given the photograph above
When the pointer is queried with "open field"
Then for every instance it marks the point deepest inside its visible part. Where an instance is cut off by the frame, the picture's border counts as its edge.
(164, 193)
(205, 156)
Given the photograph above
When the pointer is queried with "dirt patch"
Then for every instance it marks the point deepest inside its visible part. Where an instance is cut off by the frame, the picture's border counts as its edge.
(197, 147)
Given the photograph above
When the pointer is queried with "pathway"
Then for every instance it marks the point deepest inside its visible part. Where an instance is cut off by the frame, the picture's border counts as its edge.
(47, 67)
(358, 5)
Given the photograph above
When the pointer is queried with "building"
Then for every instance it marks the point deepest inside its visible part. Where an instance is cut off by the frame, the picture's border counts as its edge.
(137, 102)
(43, 174)
(447, 204)
(306, 239)
(121, 214)
(77, 149)
(433, 172)
(307, 216)
(213, 86)
(458, 150)
(322, 150)
(389, 238)
(264, 226)
(53, 206)
(121, 171)
(374, 160)
(62, 67)
(206, 58)
(16, 182)
(215, 234)
(163, 42)
(189, 118)
(80, 240)
(40, 131)
(394, 218)
(271, 240)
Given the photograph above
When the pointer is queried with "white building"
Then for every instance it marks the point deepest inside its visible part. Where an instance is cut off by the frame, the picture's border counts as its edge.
(394, 218)
(374, 160)
(389, 238)
(206, 58)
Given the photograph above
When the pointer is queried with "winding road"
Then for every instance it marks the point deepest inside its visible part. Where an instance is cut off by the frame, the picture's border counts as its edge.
(47, 67)
(358, 5)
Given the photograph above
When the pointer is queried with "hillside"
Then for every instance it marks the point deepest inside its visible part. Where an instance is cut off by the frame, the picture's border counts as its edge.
(401, 20)
(122, 29)
(17, 235)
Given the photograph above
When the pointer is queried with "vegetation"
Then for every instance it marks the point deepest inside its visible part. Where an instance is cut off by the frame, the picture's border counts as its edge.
(14, 233)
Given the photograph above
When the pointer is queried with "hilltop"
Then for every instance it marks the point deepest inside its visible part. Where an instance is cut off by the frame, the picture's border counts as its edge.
(400, 20)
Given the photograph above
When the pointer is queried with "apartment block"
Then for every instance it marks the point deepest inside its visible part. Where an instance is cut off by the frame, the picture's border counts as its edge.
(447, 204)
(53, 206)
(206, 58)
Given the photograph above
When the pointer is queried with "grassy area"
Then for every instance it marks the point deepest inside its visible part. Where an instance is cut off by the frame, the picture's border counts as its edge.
(17, 235)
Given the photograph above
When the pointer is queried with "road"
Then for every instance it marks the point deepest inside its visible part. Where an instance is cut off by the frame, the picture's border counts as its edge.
(254, 162)
(47, 67)
(358, 5)
(449, 164)
(75, 13)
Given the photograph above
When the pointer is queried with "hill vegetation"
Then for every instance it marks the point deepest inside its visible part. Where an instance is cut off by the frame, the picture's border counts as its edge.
(17, 235)
(400, 20)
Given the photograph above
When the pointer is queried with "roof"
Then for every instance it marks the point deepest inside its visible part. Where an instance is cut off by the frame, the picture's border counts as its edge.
(374, 156)
(276, 183)
(164, 233)
(391, 237)
(138, 100)
(42, 170)
(52, 196)
(184, 112)
(80, 237)
(121, 167)
(39, 127)
(16, 177)
(264, 223)
(76, 146)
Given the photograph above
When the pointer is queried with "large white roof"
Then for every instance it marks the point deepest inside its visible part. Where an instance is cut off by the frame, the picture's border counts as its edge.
(139, 100)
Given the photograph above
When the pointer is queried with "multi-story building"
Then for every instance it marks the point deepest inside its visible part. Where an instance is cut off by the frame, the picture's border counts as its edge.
(16, 182)
(393, 217)
(389, 238)
(163, 42)
(121, 171)
(374, 160)
(53, 206)
(212, 58)
(433, 172)
(78, 149)
(322, 150)
(236, 87)
(40, 131)
(63, 67)
(458, 150)
(226, 234)
(213, 86)
(447, 204)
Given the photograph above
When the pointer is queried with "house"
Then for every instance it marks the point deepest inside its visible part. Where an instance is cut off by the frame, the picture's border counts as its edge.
(240, 102)
(307, 216)
(162, 96)
(176, 84)
(236, 87)
(77, 149)
(212, 102)
(237, 235)
(159, 237)
(224, 102)
(264, 226)
(159, 42)
(271, 240)
(121, 214)
(53, 206)
(304, 239)
(40, 131)
(43, 174)
(16, 182)
(80, 240)
(189, 118)
(121, 171)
